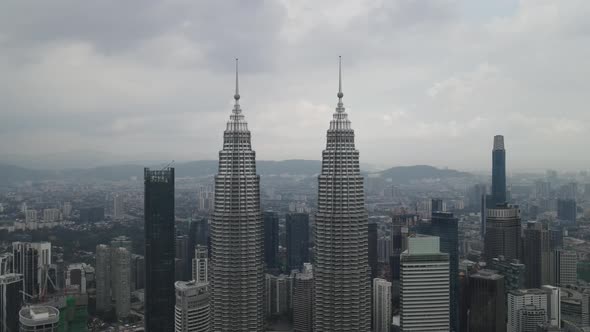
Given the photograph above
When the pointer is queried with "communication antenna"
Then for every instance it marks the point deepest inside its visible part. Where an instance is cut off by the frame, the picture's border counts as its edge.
(169, 164)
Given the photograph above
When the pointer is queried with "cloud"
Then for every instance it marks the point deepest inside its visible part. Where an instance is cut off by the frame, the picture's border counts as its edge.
(425, 81)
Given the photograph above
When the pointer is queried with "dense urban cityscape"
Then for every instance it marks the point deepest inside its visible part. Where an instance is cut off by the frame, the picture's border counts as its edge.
(216, 166)
(267, 248)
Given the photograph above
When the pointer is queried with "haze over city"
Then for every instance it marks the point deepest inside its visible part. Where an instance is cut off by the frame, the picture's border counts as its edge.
(425, 82)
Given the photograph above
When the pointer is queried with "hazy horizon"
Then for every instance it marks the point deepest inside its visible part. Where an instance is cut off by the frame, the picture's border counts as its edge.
(427, 82)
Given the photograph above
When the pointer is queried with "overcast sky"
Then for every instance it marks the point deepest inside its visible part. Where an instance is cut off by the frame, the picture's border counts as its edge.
(425, 81)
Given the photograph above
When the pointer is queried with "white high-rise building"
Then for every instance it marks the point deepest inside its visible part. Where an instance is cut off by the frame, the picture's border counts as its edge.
(424, 286)
(51, 215)
(66, 209)
(118, 207)
(121, 265)
(381, 305)
(103, 278)
(530, 301)
(30, 215)
(76, 277)
(200, 264)
(191, 312)
(237, 233)
(342, 294)
(303, 300)
(553, 304)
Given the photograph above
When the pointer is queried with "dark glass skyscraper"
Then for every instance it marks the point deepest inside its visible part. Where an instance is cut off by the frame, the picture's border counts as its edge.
(486, 301)
(502, 236)
(297, 240)
(373, 236)
(446, 227)
(271, 238)
(159, 250)
(498, 171)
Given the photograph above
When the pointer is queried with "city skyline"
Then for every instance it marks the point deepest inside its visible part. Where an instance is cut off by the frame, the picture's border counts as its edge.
(448, 77)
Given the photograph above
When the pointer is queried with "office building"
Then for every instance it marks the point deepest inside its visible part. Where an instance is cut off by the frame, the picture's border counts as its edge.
(191, 312)
(51, 215)
(278, 290)
(66, 209)
(121, 266)
(424, 286)
(38, 318)
(182, 254)
(103, 278)
(446, 227)
(564, 267)
(30, 215)
(487, 302)
(498, 171)
(341, 268)
(381, 305)
(11, 285)
(502, 237)
(271, 238)
(198, 235)
(159, 249)
(237, 233)
(303, 301)
(566, 211)
(536, 255)
(553, 304)
(522, 302)
(513, 272)
(436, 205)
(118, 207)
(201, 264)
(373, 237)
(32, 260)
(297, 225)
(137, 272)
(76, 277)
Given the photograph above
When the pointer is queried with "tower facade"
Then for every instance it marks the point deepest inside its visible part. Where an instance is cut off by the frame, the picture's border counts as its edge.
(103, 278)
(271, 238)
(159, 250)
(502, 237)
(498, 171)
(424, 270)
(237, 244)
(297, 240)
(487, 302)
(191, 312)
(381, 305)
(341, 268)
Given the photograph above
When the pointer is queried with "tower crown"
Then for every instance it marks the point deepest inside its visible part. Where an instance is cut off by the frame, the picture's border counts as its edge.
(237, 122)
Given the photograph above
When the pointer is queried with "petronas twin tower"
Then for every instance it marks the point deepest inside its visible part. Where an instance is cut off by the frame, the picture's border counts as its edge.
(341, 271)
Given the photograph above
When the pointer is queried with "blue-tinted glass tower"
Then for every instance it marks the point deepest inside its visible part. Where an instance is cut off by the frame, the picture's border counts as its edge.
(297, 240)
(159, 250)
(498, 171)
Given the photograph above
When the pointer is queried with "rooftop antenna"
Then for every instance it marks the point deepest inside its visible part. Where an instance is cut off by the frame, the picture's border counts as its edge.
(168, 165)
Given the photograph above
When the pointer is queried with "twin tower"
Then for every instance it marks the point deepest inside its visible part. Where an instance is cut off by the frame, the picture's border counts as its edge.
(341, 270)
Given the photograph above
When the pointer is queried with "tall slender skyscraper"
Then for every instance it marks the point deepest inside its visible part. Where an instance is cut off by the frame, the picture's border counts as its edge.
(498, 171)
(342, 289)
(159, 250)
(297, 240)
(237, 244)
(103, 278)
(271, 238)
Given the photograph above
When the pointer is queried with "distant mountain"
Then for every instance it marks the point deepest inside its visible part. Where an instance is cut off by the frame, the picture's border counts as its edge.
(205, 168)
(406, 174)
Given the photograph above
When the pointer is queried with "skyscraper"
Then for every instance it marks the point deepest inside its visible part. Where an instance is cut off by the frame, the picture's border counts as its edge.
(567, 210)
(11, 285)
(502, 237)
(103, 278)
(446, 227)
(381, 305)
(424, 286)
(486, 302)
(182, 254)
(303, 300)
(297, 240)
(564, 267)
(191, 312)
(522, 302)
(201, 264)
(122, 281)
(498, 171)
(341, 270)
(32, 260)
(237, 230)
(373, 250)
(118, 207)
(271, 238)
(159, 250)
(536, 255)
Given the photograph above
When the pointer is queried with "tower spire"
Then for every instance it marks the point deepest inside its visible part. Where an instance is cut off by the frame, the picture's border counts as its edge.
(340, 94)
(237, 94)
